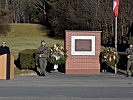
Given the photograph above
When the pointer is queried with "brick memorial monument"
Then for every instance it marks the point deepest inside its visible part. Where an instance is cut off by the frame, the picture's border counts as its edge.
(83, 50)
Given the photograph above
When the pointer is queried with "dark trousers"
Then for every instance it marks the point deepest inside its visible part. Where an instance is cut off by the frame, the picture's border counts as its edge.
(43, 64)
(129, 65)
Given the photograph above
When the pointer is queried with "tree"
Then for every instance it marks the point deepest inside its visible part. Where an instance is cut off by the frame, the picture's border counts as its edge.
(92, 15)
(40, 6)
(4, 17)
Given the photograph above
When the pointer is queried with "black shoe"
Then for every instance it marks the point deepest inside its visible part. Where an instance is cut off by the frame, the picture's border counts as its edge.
(127, 75)
(42, 75)
(132, 75)
(38, 74)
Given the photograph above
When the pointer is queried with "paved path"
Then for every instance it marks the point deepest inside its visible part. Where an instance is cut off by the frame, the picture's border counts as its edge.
(58, 86)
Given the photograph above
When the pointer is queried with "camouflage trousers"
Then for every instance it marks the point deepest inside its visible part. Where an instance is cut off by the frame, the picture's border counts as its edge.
(130, 66)
(43, 64)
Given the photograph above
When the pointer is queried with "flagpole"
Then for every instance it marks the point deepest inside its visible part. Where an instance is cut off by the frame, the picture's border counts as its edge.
(116, 33)
(115, 11)
(115, 40)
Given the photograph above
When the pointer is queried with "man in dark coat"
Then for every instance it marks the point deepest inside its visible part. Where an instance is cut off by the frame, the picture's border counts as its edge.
(4, 49)
(43, 54)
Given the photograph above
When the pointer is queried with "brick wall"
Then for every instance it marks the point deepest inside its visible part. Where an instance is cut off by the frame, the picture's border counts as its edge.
(83, 64)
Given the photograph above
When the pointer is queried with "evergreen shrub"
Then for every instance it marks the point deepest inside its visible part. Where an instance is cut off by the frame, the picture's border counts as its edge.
(122, 61)
(27, 59)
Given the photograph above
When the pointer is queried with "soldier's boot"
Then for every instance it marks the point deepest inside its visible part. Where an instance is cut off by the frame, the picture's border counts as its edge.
(127, 75)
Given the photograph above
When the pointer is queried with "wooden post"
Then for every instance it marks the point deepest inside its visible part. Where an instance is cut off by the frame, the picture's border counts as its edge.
(6, 67)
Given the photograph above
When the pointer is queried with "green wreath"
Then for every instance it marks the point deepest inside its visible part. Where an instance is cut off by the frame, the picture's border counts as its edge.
(57, 55)
(110, 56)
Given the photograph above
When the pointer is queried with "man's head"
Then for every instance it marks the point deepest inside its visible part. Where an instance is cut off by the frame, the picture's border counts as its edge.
(3, 43)
(43, 43)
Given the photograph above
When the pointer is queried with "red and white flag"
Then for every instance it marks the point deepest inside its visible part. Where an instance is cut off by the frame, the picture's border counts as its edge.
(115, 7)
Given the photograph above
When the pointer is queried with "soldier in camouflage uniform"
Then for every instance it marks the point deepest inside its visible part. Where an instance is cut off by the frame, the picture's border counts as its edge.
(129, 52)
(43, 54)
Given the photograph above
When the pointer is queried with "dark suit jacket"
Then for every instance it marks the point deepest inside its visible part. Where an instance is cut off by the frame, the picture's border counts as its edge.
(4, 50)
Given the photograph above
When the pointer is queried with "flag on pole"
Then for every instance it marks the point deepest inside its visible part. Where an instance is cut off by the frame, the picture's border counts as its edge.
(115, 7)
(115, 11)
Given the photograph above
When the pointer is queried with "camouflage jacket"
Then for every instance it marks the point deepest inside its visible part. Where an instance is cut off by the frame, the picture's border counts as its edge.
(43, 52)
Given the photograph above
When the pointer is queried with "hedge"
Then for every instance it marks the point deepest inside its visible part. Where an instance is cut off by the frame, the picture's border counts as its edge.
(27, 59)
(122, 61)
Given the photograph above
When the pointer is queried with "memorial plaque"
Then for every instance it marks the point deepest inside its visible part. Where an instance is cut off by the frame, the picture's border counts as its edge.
(83, 44)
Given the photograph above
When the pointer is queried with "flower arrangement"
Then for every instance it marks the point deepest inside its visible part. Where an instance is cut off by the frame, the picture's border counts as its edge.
(57, 55)
(110, 56)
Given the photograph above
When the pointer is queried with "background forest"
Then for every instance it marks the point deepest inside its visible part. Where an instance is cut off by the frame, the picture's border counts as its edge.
(61, 15)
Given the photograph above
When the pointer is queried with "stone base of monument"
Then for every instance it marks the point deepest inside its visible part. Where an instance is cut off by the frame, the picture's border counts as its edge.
(82, 71)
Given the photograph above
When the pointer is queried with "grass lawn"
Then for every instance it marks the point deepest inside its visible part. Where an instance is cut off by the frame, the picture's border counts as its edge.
(27, 36)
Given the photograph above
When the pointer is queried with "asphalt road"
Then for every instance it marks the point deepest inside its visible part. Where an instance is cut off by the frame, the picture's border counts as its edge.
(57, 86)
